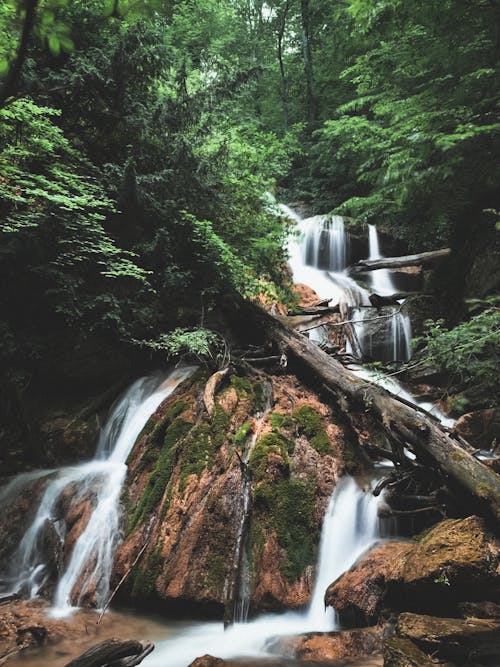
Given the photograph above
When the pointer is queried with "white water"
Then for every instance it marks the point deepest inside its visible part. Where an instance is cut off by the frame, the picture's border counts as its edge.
(349, 528)
(98, 482)
(241, 565)
(385, 338)
(395, 388)
(381, 279)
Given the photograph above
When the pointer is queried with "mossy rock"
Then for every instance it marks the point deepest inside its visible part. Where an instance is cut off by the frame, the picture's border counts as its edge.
(310, 424)
(267, 444)
(201, 445)
(288, 507)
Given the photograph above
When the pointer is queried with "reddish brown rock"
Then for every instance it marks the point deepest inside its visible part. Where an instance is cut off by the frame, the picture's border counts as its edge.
(191, 527)
(454, 638)
(400, 652)
(457, 560)
(327, 647)
(361, 592)
(208, 661)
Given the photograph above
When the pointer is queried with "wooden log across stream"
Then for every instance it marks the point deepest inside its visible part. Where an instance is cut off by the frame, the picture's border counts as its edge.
(404, 424)
(420, 259)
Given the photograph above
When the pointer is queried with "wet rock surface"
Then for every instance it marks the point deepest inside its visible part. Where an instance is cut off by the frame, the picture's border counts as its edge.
(455, 561)
(332, 647)
(185, 493)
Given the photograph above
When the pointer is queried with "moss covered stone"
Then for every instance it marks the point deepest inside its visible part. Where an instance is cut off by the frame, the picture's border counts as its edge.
(288, 507)
(311, 424)
(146, 575)
(241, 435)
(161, 473)
(201, 445)
(267, 444)
(279, 421)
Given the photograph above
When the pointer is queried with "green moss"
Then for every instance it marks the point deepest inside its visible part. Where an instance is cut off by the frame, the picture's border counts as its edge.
(241, 435)
(201, 445)
(242, 385)
(146, 575)
(270, 442)
(310, 423)
(216, 574)
(289, 507)
(279, 421)
(160, 476)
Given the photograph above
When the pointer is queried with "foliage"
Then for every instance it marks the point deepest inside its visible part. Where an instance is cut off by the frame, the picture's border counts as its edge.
(469, 352)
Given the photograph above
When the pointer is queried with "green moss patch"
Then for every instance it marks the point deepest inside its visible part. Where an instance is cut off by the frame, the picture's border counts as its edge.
(270, 442)
(311, 424)
(201, 445)
(288, 507)
(241, 436)
(161, 473)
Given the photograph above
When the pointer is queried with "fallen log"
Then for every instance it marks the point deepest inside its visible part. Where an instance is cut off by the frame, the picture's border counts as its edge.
(420, 259)
(379, 300)
(315, 310)
(112, 651)
(403, 423)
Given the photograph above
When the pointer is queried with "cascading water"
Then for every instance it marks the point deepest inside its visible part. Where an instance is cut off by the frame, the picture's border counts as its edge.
(382, 336)
(240, 597)
(99, 483)
(381, 279)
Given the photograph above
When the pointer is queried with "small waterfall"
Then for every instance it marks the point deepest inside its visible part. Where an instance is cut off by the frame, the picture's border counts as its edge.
(97, 484)
(326, 243)
(318, 258)
(240, 596)
(381, 279)
(350, 526)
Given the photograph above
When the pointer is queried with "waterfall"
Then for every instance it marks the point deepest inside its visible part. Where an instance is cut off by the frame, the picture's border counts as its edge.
(381, 279)
(326, 243)
(318, 258)
(98, 485)
(350, 526)
(240, 598)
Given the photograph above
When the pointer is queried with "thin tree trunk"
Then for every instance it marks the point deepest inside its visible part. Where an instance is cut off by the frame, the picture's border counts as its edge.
(12, 80)
(419, 259)
(284, 81)
(307, 56)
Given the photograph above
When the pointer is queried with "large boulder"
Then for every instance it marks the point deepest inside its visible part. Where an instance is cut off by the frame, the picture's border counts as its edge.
(359, 595)
(187, 490)
(328, 647)
(461, 640)
(456, 561)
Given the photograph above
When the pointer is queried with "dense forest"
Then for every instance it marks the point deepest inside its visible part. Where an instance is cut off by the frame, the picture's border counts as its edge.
(145, 149)
(139, 140)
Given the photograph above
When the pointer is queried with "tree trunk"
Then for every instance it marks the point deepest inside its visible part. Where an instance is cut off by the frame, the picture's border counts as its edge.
(284, 81)
(404, 424)
(307, 56)
(420, 259)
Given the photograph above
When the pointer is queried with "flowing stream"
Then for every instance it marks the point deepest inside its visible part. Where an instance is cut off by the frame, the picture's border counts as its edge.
(99, 482)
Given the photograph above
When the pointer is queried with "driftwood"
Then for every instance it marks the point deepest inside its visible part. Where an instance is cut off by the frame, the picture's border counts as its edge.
(316, 310)
(377, 300)
(113, 652)
(405, 425)
(211, 387)
(421, 259)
